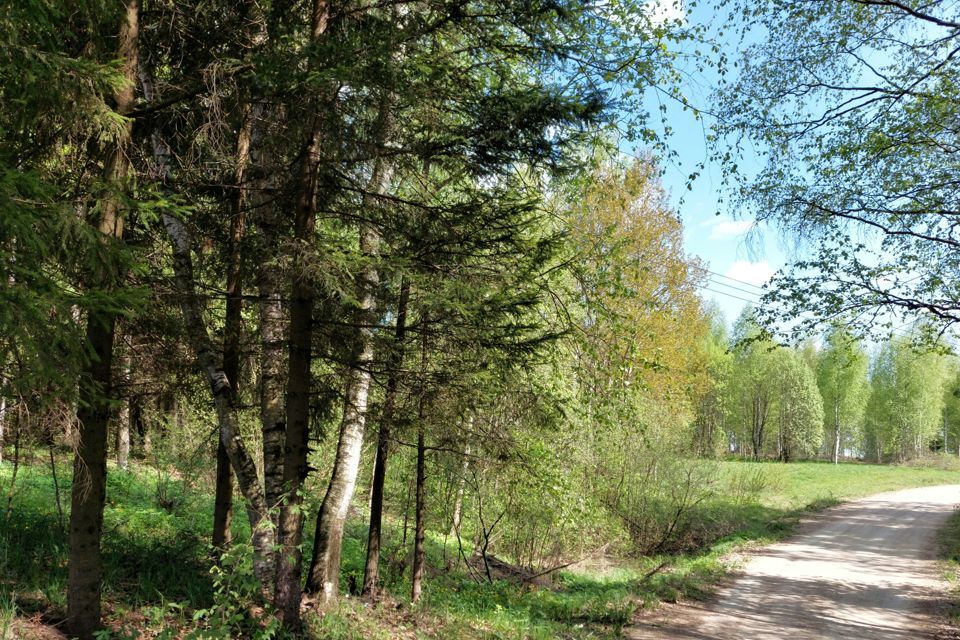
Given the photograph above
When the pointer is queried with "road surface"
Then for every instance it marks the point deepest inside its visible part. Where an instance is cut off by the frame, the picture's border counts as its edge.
(865, 569)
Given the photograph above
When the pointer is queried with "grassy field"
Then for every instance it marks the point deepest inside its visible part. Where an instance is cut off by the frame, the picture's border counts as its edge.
(158, 563)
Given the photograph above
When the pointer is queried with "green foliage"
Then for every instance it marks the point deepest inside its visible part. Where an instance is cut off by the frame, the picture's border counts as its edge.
(8, 615)
(850, 107)
(842, 379)
(904, 413)
(948, 551)
(751, 503)
(753, 387)
(151, 555)
(799, 407)
(715, 401)
(236, 591)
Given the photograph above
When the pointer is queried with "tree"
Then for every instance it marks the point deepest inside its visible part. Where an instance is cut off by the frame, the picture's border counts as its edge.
(951, 411)
(753, 384)
(842, 379)
(799, 406)
(713, 403)
(437, 144)
(638, 302)
(88, 491)
(904, 413)
(851, 106)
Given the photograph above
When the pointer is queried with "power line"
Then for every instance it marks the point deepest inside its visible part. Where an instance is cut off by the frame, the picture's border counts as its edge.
(738, 281)
(730, 295)
(893, 331)
(730, 286)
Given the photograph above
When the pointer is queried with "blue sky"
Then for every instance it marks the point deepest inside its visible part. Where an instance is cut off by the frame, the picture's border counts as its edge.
(740, 255)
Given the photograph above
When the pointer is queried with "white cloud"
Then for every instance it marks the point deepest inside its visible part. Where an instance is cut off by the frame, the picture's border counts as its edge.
(726, 228)
(755, 273)
(664, 11)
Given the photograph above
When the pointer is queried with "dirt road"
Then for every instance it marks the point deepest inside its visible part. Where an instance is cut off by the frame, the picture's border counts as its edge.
(865, 569)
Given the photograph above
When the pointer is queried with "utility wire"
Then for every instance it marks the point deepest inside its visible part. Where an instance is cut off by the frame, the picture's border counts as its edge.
(730, 286)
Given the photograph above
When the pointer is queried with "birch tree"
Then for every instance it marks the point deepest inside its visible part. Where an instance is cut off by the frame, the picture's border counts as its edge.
(842, 379)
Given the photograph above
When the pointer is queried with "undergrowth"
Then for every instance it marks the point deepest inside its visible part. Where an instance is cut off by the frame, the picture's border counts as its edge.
(159, 578)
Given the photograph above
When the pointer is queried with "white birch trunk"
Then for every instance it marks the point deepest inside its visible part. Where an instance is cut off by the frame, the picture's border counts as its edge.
(324, 574)
(261, 527)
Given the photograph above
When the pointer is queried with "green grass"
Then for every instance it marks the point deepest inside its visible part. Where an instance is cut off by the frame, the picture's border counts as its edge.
(157, 558)
(761, 502)
(798, 484)
(8, 613)
(949, 554)
(152, 554)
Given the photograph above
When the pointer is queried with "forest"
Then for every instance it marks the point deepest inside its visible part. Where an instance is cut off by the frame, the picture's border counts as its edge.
(360, 319)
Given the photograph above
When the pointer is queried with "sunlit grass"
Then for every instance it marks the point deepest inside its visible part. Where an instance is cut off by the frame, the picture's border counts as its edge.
(157, 556)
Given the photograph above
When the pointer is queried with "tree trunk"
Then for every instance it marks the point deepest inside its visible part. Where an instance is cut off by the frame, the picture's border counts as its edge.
(123, 418)
(836, 446)
(273, 357)
(290, 562)
(89, 481)
(233, 329)
(246, 470)
(420, 532)
(259, 184)
(123, 436)
(223, 501)
(90, 462)
(272, 421)
(220, 386)
(461, 485)
(371, 571)
(3, 421)
(289, 567)
(11, 490)
(325, 569)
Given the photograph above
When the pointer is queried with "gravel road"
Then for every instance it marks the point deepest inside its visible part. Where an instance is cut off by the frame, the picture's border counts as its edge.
(865, 569)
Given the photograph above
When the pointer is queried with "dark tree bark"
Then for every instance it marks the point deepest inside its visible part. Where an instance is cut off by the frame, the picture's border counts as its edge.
(371, 571)
(88, 493)
(223, 501)
(233, 329)
(302, 300)
(290, 563)
(273, 346)
(420, 526)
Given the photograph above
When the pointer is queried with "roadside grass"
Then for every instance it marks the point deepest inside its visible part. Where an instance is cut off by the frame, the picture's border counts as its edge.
(948, 540)
(157, 556)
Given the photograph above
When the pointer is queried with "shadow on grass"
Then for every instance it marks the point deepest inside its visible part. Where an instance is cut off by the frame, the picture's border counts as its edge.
(151, 555)
(606, 605)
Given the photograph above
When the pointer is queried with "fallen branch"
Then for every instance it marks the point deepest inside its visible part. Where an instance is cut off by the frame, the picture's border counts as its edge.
(559, 567)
